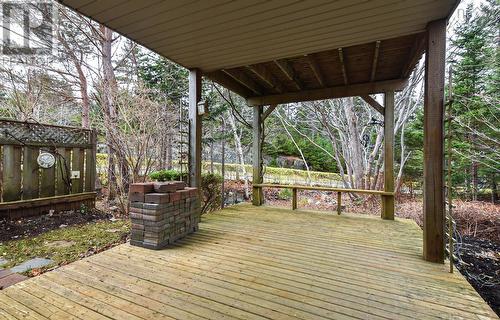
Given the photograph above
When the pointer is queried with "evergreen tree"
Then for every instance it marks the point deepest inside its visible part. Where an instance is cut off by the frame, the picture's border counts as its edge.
(475, 92)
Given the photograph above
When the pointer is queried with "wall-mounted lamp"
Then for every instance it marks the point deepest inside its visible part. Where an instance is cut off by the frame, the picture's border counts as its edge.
(375, 122)
(202, 108)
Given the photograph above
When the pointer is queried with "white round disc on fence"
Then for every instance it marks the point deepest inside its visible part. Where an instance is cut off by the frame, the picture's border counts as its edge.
(46, 160)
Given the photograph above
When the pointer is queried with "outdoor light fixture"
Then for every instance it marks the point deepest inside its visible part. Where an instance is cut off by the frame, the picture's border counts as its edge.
(202, 108)
(375, 122)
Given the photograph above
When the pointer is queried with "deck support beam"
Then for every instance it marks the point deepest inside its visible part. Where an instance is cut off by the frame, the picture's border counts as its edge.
(258, 128)
(195, 129)
(388, 201)
(433, 142)
(329, 93)
(373, 103)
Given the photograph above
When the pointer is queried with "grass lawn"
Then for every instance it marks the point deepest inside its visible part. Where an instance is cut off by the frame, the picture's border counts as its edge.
(65, 245)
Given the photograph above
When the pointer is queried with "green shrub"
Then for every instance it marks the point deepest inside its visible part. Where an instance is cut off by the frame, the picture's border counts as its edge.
(211, 188)
(285, 194)
(167, 175)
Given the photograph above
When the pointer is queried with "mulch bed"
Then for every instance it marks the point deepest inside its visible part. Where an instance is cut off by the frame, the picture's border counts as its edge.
(33, 226)
(480, 264)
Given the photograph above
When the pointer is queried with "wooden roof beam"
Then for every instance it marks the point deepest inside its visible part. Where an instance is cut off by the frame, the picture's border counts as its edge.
(268, 111)
(375, 61)
(415, 54)
(329, 93)
(263, 74)
(244, 80)
(315, 69)
(344, 72)
(287, 70)
(229, 83)
(372, 102)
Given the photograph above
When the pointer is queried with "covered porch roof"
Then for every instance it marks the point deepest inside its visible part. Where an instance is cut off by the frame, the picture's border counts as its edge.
(281, 51)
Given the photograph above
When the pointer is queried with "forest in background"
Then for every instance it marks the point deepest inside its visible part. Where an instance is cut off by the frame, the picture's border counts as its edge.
(137, 102)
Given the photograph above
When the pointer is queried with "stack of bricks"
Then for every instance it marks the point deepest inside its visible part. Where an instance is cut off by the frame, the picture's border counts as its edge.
(162, 212)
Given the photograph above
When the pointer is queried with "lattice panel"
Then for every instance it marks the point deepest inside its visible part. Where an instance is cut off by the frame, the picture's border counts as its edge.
(27, 133)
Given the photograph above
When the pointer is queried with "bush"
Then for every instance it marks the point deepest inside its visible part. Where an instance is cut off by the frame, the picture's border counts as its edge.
(211, 188)
(167, 175)
(285, 194)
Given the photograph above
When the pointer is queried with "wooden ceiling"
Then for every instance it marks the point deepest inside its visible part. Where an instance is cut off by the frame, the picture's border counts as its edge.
(274, 50)
(381, 64)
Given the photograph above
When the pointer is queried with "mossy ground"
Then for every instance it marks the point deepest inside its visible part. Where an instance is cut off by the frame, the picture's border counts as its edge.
(65, 245)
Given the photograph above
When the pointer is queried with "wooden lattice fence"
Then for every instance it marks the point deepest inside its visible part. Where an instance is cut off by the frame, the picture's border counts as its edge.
(28, 189)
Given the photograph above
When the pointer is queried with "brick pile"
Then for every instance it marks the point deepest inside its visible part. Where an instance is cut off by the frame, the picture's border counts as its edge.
(162, 212)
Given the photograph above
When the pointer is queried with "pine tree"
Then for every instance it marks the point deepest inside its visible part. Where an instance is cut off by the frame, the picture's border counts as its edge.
(475, 92)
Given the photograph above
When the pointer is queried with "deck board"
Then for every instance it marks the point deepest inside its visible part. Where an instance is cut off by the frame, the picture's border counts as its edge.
(250, 262)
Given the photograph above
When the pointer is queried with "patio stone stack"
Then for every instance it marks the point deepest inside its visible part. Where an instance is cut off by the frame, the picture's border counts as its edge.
(162, 212)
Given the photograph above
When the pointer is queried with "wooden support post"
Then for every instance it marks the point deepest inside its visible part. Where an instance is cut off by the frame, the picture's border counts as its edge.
(433, 142)
(388, 201)
(339, 203)
(194, 128)
(257, 194)
(294, 198)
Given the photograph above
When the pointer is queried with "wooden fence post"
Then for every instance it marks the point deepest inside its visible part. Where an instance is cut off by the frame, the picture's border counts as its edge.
(339, 203)
(11, 173)
(31, 174)
(294, 198)
(63, 174)
(90, 163)
(77, 166)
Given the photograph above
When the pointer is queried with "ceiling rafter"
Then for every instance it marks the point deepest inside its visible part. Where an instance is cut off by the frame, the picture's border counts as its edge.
(344, 72)
(375, 61)
(288, 71)
(315, 69)
(265, 75)
(229, 82)
(244, 80)
(414, 55)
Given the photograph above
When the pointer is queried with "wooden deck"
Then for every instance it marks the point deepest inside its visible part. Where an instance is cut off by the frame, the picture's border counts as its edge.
(258, 263)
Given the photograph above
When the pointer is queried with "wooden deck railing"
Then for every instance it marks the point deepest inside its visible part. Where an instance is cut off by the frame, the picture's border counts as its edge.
(339, 191)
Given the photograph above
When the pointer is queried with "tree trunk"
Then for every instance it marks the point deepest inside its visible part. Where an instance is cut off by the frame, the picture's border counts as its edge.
(239, 152)
(212, 157)
(474, 177)
(494, 191)
(169, 151)
(354, 143)
(82, 84)
(109, 88)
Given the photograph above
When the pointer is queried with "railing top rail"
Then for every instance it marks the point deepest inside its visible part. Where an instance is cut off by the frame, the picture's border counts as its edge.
(291, 186)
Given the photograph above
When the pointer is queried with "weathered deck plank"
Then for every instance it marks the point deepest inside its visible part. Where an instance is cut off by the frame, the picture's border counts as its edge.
(258, 263)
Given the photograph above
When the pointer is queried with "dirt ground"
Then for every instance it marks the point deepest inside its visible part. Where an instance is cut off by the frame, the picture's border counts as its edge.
(479, 262)
(33, 226)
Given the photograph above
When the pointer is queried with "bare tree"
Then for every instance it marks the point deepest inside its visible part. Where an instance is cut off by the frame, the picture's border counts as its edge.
(355, 132)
